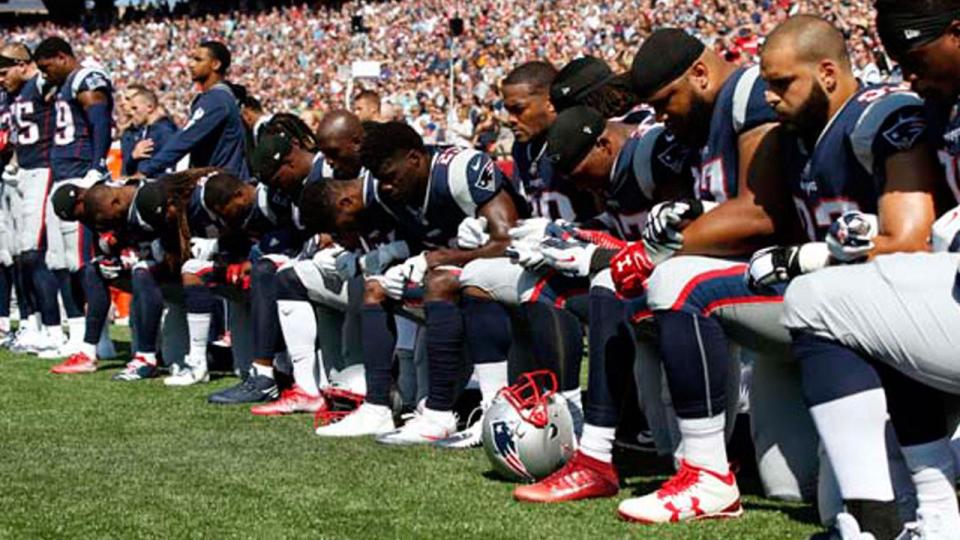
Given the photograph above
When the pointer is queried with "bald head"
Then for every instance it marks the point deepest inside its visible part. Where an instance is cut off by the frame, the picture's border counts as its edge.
(339, 124)
(811, 39)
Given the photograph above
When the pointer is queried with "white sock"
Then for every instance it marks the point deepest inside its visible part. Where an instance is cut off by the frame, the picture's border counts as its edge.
(54, 333)
(88, 349)
(4, 324)
(704, 444)
(198, 325)
(853, 432)
(597, 442)
(492, 377)
(299, 324)
(148, 357)
(262, 370)
(77, 326)
(34, 322)
(933, 472)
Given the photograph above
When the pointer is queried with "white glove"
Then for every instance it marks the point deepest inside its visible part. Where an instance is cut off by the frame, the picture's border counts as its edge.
(10, 174)
(850, 237)
(374, 262)
(415, 268)
(569, 258)
(774, 265)
(6, 258)
(394, 281)
(109, 268)
(92, 177)
(946, 232)
(526, 253)
(203, 248)
(326, 259)
(128, 258)
(530, 229)
(472, 233)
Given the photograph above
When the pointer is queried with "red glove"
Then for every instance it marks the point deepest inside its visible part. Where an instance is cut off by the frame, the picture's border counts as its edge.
(630, 270)
(238, 275)
(106, 242)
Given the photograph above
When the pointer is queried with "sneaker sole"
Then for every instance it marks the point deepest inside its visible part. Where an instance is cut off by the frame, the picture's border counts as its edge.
(72, 371)
(732, 512)
(566, 498)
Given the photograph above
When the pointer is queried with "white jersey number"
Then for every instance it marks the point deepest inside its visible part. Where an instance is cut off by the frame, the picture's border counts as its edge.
(27, 132)
(66, 130)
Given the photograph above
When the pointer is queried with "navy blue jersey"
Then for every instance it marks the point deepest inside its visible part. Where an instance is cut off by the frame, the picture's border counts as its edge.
(6, 124)
(378, 226)
(846, 170)
(73, 145)
(320, 170)
(948, 147)
(34, 125)
(214, 137)
(159, 132)
(461, 181)
(651, 157)
(549, 194)
(740, 107)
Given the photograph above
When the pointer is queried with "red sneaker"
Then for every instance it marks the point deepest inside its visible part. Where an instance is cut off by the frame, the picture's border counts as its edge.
(77, 363)
(583, 477)
(292, 400)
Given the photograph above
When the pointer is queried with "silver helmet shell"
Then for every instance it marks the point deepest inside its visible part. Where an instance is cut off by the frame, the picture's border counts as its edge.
(528, 428)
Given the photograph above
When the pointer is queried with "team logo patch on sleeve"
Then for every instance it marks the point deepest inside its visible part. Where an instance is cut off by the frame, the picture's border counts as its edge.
(197, 115)
(484, 174)
(905, 131)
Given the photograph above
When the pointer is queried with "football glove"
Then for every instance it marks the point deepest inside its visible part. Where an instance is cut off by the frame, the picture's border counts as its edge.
(106, 241)
(326, 259)
(203, 248)
(92, 177)
(773, 265)
(946, 232)
(472, 233)
(238, 275)
(534, 229)
(630, 269)
(850, 237)
(662, 233)
(571, 258)
(526, 253)
(410, 271)
(10, 176)
(128, 258)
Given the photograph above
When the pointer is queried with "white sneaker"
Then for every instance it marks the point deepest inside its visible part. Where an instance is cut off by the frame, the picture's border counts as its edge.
(188, 376)
(692, 494)
(936, 526)
(66, 350)
(424, 428)
(471, 437)
(26, 341)
(367, 419)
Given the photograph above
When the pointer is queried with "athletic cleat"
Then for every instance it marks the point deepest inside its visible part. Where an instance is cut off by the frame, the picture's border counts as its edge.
(253, 389)
(583, 477)
(421, 429)
(471, 437)
(137, 370)
(77, 363)
(52, 352)
(25, 341)
(692, 494)
(187, 376)
(846, 528)
(367, 419)
(292, 400)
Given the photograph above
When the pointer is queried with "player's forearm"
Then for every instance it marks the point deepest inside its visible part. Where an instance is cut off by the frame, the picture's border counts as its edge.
(732, 229)
(98, 115)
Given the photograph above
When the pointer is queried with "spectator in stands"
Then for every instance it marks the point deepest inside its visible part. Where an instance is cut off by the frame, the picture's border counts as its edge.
(367, 106)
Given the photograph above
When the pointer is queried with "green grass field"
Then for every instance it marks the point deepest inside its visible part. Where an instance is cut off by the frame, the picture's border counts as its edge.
(82, 456)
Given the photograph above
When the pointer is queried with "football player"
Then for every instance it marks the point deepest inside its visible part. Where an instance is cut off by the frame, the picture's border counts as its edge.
(629, 168)
(718, 109)
(83, 119)
(30, 119)
(214, 136)
(430, 192)
(846, 319)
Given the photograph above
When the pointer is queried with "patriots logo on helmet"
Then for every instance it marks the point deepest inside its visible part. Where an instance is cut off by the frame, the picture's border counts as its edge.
(905, 131)
(506, 448)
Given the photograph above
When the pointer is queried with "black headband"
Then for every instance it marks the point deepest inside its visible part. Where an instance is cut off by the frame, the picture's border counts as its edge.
(902, 29)
(666, 55)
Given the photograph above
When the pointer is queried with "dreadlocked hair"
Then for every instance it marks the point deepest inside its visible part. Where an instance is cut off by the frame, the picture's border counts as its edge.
(384, 140)
(616, 98)
(291, 126)
(179, 188)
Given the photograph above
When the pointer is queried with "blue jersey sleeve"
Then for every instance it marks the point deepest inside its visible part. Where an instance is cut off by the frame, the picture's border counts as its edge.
(209, 112)
(894, 123)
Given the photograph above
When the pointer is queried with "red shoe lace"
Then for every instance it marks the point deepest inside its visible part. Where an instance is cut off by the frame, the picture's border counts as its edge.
(683, 480)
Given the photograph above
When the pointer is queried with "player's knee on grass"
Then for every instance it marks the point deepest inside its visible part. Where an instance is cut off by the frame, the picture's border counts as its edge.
(441, 285)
